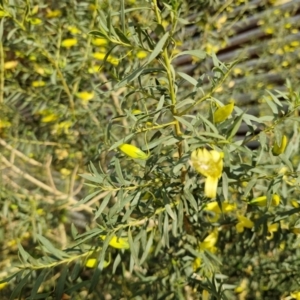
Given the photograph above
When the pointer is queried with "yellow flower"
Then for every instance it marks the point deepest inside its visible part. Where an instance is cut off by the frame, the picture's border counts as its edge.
(243, 223)
(141, 54)
(133, 151)
(117, 242)
(94, 69)
(210, 241)
(279, 149)
(53, 13)
(208, 244)
(3, 285)
(262, 201)
(99, 41)
(38, 83)
(222, 113)
(85, 96)
(51, 117)
(68, 43)
(197, 263)
(10, 64)
(210, 165)
(214, 207)
(4, 124)
(110, 59)
(271, 229)
(295, 295)
(74, 30)
(93, 263)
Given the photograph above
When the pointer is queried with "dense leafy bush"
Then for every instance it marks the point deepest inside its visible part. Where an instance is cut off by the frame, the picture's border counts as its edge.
(123, 171)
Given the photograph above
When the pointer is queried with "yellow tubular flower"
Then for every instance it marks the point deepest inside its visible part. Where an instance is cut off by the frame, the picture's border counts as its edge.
(243, 223)
(210, 165)
(222, 113)
(133, 151)
(117, 242)
(279, 149)
(262, 201)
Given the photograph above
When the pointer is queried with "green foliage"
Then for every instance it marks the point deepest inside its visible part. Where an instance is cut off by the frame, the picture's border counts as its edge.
(96, 89)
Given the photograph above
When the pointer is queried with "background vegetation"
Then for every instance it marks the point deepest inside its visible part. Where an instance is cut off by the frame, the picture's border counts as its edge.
(82, 219)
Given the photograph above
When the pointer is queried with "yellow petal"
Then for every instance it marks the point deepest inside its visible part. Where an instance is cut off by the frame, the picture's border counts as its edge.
(210, 241)
(196, 263)
(222, 113)
(211, 185)
(245, 221)
(207, 163)
(133, 151)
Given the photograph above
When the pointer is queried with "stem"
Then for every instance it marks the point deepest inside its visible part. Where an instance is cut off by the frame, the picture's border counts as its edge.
(1, 72)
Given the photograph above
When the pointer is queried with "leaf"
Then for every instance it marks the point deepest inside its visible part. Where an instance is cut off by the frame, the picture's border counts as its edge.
(38, 282)
(184, 122)
(272, 105)
(119, 172)
(18, 287)
(236, 125)
(137, 72)
(170, 212)
(198, 53)
(122, 37)
(188, 78)
(156, 51)
(103, 205)
(147, 248)
(51, 249)
(60, 284)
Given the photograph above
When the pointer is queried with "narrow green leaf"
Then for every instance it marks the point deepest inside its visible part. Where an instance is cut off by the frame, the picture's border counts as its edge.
(184, 122)
(188, 78)
(134, 247)
(18, 287)
(148, 248)
(236, 125)
(61, 282)
(117, 261)
(123, 37)
(38, 282)
(103, 205)
(50, 248)
(24, 255)
(76, 271)
(225, 185)
(166, 231)
(198, 53)
(119, 172)
(272, 105)
(97, 33)
(170, 212)
(158, 48)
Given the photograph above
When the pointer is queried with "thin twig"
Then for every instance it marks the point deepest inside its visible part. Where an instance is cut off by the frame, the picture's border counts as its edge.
(20, 154)
(49, 174)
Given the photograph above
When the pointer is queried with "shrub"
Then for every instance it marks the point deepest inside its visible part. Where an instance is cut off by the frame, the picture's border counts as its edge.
(174, 205)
